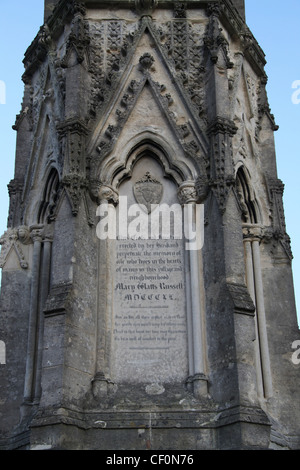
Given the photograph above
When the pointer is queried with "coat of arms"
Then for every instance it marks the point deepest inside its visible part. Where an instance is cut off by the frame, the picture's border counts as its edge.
(148, 191)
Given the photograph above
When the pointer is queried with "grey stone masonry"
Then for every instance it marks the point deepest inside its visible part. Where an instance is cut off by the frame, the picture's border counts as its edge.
(147, 292)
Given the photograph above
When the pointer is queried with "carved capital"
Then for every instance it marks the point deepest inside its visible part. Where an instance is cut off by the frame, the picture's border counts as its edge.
(36, 233)
(187, 192)
(253, 232)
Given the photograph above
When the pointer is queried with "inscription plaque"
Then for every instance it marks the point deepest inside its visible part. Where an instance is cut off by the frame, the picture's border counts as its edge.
(149, 330)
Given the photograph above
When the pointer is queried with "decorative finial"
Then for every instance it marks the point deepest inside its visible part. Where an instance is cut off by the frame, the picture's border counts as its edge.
(146, 61)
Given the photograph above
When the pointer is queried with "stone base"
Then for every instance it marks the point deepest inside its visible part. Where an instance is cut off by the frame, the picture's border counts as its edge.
(150, 430)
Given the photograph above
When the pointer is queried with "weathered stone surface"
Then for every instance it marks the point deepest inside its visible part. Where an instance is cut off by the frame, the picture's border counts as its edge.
(139, 342)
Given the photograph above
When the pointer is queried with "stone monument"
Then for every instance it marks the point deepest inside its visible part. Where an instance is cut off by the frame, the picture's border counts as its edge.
(147, 294)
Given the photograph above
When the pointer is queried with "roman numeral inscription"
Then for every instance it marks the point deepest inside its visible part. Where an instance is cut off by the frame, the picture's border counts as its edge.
(149, 330)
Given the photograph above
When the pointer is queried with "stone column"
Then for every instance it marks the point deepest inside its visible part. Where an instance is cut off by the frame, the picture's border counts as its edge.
(45, 279)
(101, 383)
(36, 235)
(195, 295)
(251, 289)
(261, 320)
(252, 239)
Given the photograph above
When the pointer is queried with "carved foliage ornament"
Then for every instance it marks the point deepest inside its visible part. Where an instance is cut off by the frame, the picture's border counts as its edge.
(146, 61)
(187, 192)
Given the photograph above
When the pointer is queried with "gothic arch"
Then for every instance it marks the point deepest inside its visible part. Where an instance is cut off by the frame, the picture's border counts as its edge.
(115, 170)
(250, 209)
(49, 197)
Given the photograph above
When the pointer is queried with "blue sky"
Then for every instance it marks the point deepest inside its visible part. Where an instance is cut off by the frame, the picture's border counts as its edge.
(276, 28)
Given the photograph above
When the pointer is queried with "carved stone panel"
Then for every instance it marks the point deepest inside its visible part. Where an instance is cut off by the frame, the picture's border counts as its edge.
(149, 324)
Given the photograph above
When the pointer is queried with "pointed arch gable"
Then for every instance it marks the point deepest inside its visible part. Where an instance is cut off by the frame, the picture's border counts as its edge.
(117, 167)
(131, 81)
(147, 78)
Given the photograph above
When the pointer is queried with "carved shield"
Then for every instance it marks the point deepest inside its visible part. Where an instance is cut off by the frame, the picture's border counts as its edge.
(148, 191)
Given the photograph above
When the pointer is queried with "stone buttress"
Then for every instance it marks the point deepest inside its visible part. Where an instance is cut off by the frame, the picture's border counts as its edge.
(145, 344)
